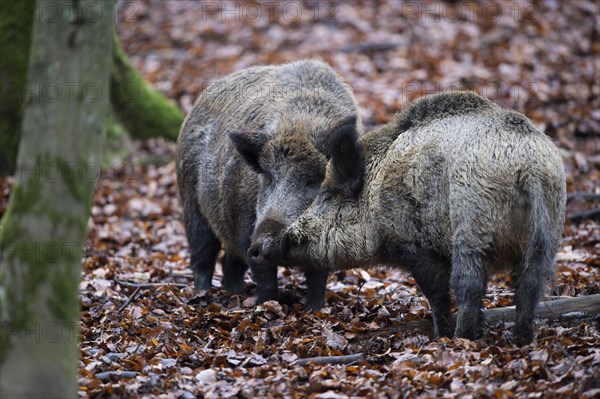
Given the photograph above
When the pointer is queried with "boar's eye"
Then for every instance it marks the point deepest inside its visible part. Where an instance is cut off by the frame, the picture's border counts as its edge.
(267, 178)
(310, 183)
(326, 197)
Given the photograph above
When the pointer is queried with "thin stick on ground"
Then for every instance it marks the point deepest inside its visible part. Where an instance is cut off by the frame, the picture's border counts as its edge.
(115, 375)
(131, 298)
(149, 285)
(346, 359)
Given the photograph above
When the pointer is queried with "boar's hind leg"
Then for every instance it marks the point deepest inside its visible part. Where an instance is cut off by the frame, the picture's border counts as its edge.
(468, 280)
(316, 283)
(432, 274)
(265, 277)
(529, 288)
(204, 245)
(530, 278)
(233, 273)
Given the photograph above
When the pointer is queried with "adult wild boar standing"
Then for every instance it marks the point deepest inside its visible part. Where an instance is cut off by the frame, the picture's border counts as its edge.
(251, 158)
(451, 190)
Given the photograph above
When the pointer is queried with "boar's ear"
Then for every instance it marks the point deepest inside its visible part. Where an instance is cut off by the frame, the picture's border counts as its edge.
(249, 145)
(346, 159)
(348, 123)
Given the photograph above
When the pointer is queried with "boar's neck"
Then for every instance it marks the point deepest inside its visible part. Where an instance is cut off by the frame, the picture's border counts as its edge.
(386, 212)
(376, 143)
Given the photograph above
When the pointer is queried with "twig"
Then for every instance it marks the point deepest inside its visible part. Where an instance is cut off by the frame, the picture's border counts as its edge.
(591, 214)
(367, 47)
(347, 359)
(149, 285)
(131, 298)
(583, 196)
(115, 375)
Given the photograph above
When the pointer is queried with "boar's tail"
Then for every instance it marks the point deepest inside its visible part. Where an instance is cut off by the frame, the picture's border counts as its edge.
(541, 245)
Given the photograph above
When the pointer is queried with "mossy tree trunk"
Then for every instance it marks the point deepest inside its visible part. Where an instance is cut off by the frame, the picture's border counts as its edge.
(140, 109)
(45, 225)
(143, 111)
(16, 17)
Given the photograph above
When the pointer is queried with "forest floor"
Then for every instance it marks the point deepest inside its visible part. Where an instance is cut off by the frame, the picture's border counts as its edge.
(541, 60)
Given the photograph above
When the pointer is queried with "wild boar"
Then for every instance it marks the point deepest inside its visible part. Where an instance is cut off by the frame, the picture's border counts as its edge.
(453, 189)
(251, 158)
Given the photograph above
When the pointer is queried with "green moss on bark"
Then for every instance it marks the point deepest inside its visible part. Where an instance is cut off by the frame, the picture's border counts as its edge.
(143, 111)
(44, 227)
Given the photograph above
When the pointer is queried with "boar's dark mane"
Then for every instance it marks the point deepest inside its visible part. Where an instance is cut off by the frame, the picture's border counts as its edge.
(439, 106)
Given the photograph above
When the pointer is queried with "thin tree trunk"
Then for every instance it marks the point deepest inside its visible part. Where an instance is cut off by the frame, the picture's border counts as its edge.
(45, 226)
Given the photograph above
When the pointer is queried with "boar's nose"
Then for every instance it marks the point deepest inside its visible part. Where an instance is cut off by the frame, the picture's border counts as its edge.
(268, 249)
(261, 251)
(265, 250)
(255, 252)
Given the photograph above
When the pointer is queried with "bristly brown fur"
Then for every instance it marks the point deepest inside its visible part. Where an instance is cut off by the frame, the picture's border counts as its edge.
(454, 188)
(274, 120)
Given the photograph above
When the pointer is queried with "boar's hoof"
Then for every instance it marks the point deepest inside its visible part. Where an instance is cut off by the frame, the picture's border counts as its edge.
(523, 336)
(468, 330)
(314, 304)
(234, 285)
(202, 282)
(442, 328)
(266, 295)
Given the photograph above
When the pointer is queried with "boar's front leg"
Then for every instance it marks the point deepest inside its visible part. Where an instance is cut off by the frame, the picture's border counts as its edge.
(203, 245)
(233, 273)
(432, 274)
(265, 277)
(316, 283)
(468, 280)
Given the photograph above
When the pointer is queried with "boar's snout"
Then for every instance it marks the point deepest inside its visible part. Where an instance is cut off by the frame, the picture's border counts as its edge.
(269, 227)
(268, 249)
(256, 251)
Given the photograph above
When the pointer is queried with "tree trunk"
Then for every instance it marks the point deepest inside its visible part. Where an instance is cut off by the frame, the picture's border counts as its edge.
(15, 36)
(143, 111)
(45, 226)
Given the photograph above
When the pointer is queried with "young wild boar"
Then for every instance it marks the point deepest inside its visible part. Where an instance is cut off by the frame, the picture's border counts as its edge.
(250, 160)
(453, 189)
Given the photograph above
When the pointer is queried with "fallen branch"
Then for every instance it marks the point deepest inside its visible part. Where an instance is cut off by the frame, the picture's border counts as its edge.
(149, 285)
(590, 214)
(107, 376)
(367, 47)
(579, 307)
(583, 196)
(570, 307)
(346, 359)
